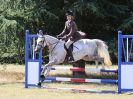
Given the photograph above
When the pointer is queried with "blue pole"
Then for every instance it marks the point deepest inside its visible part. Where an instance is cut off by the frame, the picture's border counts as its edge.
(119, 59)
(26, 58)
(40, 60)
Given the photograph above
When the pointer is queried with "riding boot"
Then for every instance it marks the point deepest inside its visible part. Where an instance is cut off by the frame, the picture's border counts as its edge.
(70, 59)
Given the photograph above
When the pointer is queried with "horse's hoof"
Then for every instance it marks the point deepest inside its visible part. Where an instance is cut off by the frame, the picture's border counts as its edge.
(42, 78)
(39, 84)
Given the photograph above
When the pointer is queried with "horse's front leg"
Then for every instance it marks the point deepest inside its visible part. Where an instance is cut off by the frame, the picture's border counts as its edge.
(45, 71)
(46, 68)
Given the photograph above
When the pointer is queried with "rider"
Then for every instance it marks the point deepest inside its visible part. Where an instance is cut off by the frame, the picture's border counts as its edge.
(69, 34)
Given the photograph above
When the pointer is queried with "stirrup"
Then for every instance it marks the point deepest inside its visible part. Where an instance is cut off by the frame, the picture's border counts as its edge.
(70, 60)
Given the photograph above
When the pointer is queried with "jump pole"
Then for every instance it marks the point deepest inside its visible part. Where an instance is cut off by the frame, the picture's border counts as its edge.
(84, 69)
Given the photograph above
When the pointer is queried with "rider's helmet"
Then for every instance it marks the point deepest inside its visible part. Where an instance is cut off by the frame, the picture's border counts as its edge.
(69, 12)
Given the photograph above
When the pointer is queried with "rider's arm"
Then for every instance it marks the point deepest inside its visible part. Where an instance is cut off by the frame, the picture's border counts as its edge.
(64, 31)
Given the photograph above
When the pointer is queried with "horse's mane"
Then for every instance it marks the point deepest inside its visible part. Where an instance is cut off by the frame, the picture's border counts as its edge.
(51, 37)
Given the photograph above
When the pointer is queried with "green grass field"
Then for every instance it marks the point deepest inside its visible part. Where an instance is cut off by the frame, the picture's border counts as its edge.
(12, 87)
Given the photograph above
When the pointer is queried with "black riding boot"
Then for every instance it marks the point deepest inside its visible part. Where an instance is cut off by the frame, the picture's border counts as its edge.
(70, 59)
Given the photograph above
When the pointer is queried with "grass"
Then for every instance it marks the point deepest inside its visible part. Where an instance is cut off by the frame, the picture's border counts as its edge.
(12, 87)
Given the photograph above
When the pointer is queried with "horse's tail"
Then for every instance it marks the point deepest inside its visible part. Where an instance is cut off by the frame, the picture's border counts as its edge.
(103, 52)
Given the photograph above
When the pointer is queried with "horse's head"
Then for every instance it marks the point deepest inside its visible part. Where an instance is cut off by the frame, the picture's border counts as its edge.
(45, 40)
(41, 42)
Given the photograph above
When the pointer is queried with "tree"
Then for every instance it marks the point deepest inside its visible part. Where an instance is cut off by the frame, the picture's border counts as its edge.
(98, 18)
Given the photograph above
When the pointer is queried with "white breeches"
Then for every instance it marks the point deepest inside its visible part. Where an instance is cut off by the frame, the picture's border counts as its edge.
(68, 43)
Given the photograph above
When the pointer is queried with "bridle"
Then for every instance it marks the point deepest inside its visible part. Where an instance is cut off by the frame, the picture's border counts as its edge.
(42, 42)
(49, 43)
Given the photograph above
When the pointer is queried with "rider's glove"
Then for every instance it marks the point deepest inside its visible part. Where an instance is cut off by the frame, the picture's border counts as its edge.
(58, 36)
(64, 38)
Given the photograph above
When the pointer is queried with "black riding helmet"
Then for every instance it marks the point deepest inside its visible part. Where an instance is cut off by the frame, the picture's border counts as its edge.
(69, 12)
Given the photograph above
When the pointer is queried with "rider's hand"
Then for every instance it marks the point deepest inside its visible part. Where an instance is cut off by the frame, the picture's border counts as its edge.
(58, 36)
(64, 38)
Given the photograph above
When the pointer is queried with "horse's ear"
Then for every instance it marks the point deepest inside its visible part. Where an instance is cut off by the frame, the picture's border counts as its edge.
(40, 32)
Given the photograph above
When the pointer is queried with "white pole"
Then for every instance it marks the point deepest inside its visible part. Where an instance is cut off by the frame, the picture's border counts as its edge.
(33, 57)
(127, 49)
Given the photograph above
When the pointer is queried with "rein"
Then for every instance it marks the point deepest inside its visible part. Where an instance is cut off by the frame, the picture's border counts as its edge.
(51, 44)
(54, 46)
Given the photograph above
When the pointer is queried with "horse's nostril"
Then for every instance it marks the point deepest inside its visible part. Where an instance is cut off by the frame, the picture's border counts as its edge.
(37, 49)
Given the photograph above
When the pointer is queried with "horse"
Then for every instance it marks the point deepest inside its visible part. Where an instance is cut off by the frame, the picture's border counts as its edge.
(85, 49)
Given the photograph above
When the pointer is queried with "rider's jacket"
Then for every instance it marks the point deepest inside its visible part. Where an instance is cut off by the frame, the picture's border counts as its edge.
(70, 31)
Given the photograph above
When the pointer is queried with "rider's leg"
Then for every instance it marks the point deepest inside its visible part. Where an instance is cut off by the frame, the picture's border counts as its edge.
(68, 43)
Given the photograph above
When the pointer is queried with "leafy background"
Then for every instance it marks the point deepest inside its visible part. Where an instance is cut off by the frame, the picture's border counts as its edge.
(98, 18)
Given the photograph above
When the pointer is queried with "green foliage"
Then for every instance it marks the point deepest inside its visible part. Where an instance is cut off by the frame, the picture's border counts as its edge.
(98, 18)
(112, 47)
(127, 24)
